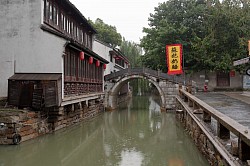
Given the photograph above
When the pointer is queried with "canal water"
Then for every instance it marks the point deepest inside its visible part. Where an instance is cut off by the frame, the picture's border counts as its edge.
(136, 134)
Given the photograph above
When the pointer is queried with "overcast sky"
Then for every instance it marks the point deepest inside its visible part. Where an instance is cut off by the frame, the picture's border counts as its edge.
(128, 16)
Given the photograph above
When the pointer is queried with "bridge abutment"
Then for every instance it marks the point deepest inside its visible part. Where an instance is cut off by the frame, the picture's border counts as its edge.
(169, 90)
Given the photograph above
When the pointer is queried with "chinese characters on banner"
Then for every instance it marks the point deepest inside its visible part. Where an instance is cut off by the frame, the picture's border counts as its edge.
(174, 58)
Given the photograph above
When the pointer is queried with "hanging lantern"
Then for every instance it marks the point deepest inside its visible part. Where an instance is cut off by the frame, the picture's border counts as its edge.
(81, 55)
(90, 60)
(97, 63)
(104, 66)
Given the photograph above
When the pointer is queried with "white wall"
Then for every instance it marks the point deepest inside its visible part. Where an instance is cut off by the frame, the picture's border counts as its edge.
(246, 82)
(24, 46)
(103, 51)
(236, 82)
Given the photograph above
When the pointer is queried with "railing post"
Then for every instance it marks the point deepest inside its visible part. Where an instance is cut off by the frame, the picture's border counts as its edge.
(158, 72)
(206, 116)
(185, 98)
(222, 131)
(244, 150)
(189, 89)
(190, 103)
(180, 86)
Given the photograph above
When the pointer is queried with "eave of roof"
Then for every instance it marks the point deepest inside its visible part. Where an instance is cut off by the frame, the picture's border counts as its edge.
(89, 52)
(36, 76)
(118, 52)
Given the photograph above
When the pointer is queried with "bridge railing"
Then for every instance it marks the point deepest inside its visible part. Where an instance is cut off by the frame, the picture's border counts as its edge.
(144, 71)
(225, 124)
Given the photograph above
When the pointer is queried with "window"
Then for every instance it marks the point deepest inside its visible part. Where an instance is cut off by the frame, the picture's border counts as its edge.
(62, 22)
(46, 10)
(67, 63)
(68, 25)
(73, 64)
(83, 36)
(50, 11)
(77, 34)
(71, 28)
(58, 18)
(55, 15)
(111, 57)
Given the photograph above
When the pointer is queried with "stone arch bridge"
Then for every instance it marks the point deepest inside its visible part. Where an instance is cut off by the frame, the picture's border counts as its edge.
(166, 85)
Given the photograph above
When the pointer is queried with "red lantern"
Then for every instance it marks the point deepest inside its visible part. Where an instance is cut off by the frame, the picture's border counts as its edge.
(81, 55)
(97, 63)
(90, 60)
(104, 66)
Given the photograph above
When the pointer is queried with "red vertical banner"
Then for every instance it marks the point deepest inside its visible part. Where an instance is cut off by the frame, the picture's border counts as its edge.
(174, 59)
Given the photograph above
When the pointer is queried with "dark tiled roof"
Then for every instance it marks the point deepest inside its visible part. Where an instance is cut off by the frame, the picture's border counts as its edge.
(36, 76)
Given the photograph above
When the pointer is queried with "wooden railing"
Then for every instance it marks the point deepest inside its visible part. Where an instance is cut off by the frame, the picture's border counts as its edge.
(225, 124)
(75, 88)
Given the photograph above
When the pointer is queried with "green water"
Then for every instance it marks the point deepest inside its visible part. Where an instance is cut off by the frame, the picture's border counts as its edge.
(137, 134)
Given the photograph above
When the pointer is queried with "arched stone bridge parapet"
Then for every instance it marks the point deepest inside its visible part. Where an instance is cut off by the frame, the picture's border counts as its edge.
(165, 84)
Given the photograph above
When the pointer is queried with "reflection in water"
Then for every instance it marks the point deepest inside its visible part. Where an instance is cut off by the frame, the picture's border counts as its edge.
(131, 157)
(137, 134)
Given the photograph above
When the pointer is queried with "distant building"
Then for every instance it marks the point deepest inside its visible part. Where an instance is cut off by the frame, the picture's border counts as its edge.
(217, 80)
(117, 60)
(47, 56)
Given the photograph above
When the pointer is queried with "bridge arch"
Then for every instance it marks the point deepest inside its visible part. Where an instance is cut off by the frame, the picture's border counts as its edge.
(113, 92)
(165, 84)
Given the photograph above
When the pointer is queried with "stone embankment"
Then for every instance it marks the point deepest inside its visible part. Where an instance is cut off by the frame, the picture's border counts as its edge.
(21, 125)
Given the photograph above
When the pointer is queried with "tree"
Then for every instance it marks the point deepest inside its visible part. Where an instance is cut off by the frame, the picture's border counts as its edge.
(132, 51)
(224, 40)
(107, 33)
(212, 33)
(174, 21)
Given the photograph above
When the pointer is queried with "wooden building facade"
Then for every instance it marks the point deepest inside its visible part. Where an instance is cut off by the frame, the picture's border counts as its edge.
(75, 69)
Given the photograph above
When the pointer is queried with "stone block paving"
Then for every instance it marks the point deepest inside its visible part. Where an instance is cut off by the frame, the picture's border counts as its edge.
(236, 105)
